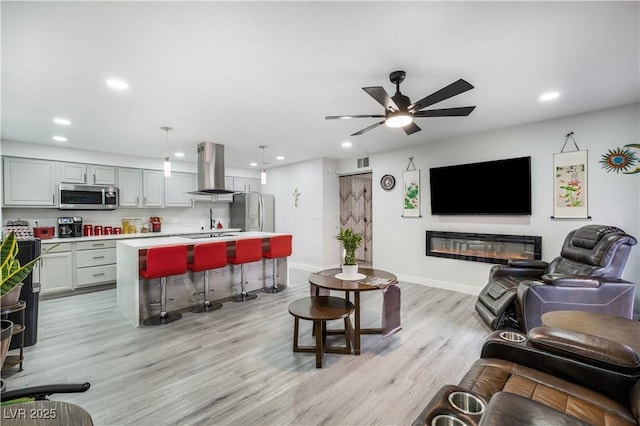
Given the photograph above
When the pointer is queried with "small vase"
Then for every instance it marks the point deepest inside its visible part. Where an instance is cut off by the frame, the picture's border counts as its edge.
(12, 297)
(350, 270)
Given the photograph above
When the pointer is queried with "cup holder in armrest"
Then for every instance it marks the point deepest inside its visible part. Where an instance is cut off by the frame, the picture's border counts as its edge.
(466, 402)
(447, 420)
(512, 336)
(452, 406)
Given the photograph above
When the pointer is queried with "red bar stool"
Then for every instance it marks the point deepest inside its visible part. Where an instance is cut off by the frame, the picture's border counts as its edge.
(247, 250)
(207, 256)
(161, 263)
(279, 246)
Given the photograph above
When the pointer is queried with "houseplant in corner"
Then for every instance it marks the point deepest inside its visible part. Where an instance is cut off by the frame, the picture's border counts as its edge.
(350, 242)
(12, 275)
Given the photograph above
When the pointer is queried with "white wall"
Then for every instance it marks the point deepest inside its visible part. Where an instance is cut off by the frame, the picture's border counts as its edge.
(315, 220)
(614, 199)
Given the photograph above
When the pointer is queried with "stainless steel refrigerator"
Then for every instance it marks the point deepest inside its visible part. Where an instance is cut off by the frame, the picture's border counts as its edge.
(253, 211)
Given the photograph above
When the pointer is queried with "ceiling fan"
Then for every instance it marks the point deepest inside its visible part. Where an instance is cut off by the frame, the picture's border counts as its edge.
(400, 112)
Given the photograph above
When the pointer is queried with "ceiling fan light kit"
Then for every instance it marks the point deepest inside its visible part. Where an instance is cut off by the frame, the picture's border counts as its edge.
(398, 119)
(400, 112)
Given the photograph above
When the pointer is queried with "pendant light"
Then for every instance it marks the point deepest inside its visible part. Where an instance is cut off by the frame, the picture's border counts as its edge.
(263, 173)
(167, 160)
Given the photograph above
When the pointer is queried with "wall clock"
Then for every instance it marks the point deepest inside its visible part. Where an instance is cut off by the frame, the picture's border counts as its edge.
(387, 182)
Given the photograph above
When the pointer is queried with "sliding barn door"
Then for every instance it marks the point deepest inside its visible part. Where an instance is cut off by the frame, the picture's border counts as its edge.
(355, 212)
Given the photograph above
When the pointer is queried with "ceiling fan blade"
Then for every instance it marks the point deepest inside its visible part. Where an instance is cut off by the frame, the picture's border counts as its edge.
(344, 117)
(453, 89)
(445, 112)
(379, 94)
(366, 129)
(411, 128)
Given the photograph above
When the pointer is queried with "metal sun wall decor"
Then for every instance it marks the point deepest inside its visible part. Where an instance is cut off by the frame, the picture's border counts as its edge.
(621, 159)
(411, 181)
(570, 183)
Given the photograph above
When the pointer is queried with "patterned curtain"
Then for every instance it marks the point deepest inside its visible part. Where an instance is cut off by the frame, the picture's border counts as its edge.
(355, 210)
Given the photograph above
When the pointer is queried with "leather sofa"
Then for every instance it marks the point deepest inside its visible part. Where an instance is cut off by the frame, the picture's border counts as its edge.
(586, 276)
(554, 376)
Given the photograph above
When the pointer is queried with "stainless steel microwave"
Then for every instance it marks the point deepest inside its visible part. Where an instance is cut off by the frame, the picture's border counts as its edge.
(87, 197)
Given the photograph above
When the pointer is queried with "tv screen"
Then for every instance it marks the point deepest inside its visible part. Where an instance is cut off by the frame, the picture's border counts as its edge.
(501, 187)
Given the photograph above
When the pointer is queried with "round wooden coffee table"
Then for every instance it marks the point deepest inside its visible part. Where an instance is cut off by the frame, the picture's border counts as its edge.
(321, 309)
(375, 279)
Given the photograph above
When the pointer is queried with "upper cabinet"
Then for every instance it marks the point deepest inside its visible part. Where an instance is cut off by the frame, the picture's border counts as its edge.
(242, 184)
(141, 188)
(101, 175)
(29, 183)
(177, 189)
(86, 174)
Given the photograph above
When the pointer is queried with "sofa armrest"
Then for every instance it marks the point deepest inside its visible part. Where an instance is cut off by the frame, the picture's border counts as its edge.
(510, 409)
(528, 263)
(506, 270)
(563, 280)
(586, 348)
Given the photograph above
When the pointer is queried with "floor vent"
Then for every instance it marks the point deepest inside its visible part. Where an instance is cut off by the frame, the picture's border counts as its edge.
(363, 162)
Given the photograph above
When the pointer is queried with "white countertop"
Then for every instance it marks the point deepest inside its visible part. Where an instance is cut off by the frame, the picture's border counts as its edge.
(142, 243)
(139, 235)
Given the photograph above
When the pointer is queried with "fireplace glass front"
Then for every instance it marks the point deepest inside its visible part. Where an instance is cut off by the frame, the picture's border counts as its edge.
(489, 248)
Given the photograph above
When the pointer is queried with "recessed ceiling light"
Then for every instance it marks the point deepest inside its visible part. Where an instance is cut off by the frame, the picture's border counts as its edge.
(280, 157)
(346, 144)
(117, 84)
(253, 164)
(549, 96)
(62, 121)
(179, 154)
(59, 138)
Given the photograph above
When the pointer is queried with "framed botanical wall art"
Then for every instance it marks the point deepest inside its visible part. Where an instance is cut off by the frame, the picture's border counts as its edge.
(570, 185)
(411, 180)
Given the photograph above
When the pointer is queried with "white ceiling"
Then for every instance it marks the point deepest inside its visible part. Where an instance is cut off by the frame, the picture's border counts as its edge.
(246, 74)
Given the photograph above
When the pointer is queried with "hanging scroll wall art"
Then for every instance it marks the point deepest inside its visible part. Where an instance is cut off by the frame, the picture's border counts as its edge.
(411, 180)
(570, 183)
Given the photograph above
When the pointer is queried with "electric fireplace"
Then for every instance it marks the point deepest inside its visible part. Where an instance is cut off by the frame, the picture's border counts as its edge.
(488, 248)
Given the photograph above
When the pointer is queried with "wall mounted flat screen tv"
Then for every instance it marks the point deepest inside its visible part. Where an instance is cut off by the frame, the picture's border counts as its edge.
(501, 187)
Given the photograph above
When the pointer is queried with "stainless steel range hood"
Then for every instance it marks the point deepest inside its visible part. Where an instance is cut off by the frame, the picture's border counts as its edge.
(211, 169)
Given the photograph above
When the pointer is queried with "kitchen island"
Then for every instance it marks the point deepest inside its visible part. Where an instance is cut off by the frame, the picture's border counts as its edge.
(135, 294)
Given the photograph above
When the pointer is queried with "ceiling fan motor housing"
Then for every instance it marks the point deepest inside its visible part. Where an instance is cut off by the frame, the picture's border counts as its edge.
(401, 101)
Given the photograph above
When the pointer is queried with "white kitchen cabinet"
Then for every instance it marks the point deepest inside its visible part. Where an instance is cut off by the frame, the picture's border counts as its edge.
(141, 188)
(55, 268)
(95, 262)
(242, 184)
(29, 183)
(86, 174)
(72, 172)
(152, 188)
(101, 175)
(130, 187)
(177, 188)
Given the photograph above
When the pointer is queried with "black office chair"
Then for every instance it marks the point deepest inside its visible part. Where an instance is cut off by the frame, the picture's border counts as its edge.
(32, 403)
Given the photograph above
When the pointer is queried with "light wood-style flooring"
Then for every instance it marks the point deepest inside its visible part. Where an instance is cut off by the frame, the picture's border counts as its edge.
(235, 366)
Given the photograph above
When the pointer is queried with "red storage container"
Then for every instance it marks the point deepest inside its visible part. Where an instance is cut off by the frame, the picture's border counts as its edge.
(44, 232)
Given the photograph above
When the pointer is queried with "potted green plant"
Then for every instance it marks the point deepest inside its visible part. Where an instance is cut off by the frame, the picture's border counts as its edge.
(12, 272)
(350, 242)
(12, 275)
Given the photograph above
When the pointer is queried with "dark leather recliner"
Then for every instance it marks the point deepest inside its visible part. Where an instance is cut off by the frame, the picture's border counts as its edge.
(554, 376)
(586, 276)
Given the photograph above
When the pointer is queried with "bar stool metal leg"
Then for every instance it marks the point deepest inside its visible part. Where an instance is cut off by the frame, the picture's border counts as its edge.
(207, 306)
(164, 317)
(243, 296)
(274, 287)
